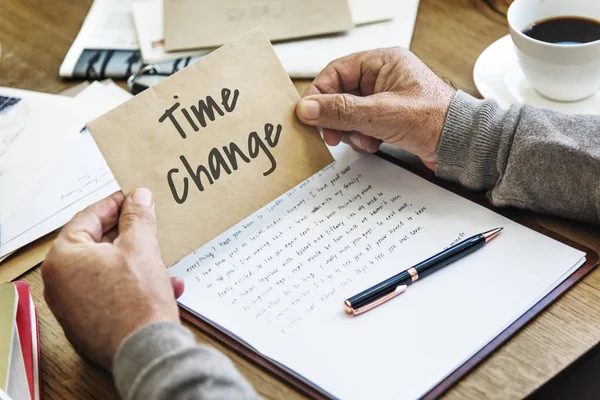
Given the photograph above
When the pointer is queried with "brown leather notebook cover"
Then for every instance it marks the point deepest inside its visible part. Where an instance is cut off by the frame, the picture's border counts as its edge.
(308, 388)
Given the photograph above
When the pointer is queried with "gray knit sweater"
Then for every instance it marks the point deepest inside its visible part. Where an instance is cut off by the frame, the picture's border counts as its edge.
(524, 157)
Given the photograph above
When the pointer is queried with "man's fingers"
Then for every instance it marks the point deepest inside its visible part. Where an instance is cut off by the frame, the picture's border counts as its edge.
(362, 142)
(311, 90)
(357, 140)
(332, 137)
(342, 111)
(341, 75)
(355, 73)
(111, 235)
(91, 223)
(178, 286)
(137, 223)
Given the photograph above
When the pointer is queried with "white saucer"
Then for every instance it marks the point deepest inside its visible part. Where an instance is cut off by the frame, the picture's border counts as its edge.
(498, 76)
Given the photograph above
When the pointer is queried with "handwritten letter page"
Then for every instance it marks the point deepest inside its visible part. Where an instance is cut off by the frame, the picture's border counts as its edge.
(279, 278)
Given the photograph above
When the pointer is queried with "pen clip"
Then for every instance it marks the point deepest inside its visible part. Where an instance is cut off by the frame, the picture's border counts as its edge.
(348, 308)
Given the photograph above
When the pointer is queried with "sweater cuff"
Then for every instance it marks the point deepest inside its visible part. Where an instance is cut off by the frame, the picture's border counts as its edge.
(470, 141)
(143, 348)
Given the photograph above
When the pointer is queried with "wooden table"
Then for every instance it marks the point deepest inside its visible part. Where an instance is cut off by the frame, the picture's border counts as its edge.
(449, 35)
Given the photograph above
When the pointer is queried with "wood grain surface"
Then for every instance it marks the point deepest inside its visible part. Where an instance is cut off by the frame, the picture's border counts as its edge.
(449, 35)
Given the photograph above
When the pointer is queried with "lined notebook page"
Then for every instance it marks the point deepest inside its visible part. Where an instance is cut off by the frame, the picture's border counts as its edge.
(278, 279)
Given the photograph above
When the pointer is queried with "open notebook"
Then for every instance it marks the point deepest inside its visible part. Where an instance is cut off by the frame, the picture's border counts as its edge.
(277, 280)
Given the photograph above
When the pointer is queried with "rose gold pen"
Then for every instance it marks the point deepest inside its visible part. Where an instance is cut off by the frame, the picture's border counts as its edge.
(397, 284)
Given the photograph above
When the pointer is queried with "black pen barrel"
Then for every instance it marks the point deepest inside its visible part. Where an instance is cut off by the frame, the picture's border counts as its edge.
(448, 256)
(422, 269)
(381, 289)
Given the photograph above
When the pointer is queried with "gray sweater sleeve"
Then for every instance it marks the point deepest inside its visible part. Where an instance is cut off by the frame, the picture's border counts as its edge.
(524, 157)
(163, 361)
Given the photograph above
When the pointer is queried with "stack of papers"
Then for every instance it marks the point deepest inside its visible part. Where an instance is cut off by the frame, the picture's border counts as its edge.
(118, 37)
(50, 167)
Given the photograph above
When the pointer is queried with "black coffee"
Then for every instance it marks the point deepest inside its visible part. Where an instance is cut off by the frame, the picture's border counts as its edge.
(565, 30)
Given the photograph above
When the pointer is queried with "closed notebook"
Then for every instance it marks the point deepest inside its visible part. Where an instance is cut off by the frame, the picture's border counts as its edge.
(27, 328)
(13, 378)
(19, 343)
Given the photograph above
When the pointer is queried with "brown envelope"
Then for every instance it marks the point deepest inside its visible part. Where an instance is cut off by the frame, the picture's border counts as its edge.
(26, 258)
(192, 24)
(215, 142)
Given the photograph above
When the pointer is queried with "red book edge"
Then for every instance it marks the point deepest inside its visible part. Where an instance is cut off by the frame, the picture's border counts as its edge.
(37, 365)
(27, 327)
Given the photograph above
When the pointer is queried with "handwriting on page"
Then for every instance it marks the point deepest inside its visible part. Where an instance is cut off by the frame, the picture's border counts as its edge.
(300, 251)
(87, 182)
(200, 174)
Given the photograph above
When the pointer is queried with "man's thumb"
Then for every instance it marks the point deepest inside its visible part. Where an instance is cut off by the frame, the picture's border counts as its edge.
(343, 111)
(137, 222)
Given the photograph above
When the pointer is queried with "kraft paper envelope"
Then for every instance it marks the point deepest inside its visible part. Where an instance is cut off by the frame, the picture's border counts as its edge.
(193, 24)
(214, 142)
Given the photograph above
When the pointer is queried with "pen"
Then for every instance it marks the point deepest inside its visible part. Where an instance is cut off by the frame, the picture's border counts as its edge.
(397, 284)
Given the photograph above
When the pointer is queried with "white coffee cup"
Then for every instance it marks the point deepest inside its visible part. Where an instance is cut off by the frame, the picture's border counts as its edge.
(564, 72)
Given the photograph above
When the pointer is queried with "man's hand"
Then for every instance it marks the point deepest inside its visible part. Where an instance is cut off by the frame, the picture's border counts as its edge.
(104, 277)
(385, 95)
